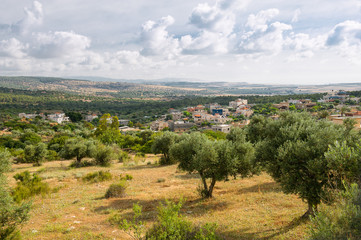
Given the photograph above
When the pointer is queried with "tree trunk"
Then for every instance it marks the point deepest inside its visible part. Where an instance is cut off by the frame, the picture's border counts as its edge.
(312, 209)
(211, 187)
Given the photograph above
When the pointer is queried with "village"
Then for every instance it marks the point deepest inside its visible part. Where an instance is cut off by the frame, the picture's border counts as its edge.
(215, 117)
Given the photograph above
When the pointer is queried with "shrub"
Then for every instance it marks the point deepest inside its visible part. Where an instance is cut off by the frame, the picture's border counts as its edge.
(35, 154)
(123, 157)
(28, 186)
(341, 221)
(99, 176)
(52, 155)
(170, 225)
(103, 156)
(11, 215)
(117, 189)
(127, 177)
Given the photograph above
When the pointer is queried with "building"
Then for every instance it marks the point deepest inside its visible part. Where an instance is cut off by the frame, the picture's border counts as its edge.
(245, 111)
(123, 122)
(237, 103)
(58, 117)
(90, 117)
(180, 126)
(158, 125)
(222, 128)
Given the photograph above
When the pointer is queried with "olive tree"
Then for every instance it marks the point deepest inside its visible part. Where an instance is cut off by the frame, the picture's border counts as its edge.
(36, 154)
(163, 143)
(293, 153)
(11, 214)
(78, 148)
(213, 160)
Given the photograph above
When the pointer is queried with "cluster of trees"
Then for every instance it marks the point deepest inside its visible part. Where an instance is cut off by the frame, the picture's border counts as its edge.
(305, 155)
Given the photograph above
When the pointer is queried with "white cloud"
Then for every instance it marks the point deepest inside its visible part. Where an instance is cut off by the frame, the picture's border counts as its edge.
(12, 48)
(260, 21)
(156, 40)
(263, 37)
(33, 18)
(345, 37)
(296, 15)
(58, 45)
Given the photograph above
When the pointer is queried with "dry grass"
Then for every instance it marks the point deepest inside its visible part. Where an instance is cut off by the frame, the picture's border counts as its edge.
(253, 208)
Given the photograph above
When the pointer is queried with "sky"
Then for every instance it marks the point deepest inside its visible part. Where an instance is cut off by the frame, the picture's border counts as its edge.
(254, 41)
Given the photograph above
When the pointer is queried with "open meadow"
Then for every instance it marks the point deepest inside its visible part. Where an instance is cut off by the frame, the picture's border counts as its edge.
(250, 208)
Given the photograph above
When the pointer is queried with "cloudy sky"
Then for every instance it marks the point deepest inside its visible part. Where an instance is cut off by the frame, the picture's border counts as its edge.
(255, 41)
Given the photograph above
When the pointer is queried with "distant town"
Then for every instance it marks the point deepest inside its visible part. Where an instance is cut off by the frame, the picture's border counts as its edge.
(215, 117)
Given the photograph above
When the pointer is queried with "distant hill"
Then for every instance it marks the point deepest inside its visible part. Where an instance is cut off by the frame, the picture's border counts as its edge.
(162, 88)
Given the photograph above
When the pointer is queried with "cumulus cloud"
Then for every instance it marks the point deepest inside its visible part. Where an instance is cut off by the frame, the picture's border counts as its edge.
(12, 48)
(216, 24)
(263, 36)
(33, 18)
(345, 37)
(58, 44)
(156, 40)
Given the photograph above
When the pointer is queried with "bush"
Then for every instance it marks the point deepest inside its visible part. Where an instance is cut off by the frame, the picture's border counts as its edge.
(52, 155)
(11, 215)
(341, 221)
(99, 176)
(117, 190)
(127, 177)
(35, 154)
(103, 156)
(170, 225)
(28, 186)
(123, 157)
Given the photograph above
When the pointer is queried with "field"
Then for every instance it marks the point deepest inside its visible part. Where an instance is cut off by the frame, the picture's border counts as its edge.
(253, 208)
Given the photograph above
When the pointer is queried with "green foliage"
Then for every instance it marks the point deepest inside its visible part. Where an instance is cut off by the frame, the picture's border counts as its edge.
(214, 160)
(292, 149)
(52, 155)
(79, 148)
(343, 162)
(99, 176)
(117, 189)
(57, 142)
(135, 227)
(28, 185)
(30, 138)
(162, 144)
(35, 154)
(215, 135)
(74, 116)
(123, 156)
(103, 155)
(341, 221)
(172, 225)
(11, 215)
(9, 142)
(127, 177)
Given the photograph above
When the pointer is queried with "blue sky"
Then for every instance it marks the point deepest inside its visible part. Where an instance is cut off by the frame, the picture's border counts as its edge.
(256, 41)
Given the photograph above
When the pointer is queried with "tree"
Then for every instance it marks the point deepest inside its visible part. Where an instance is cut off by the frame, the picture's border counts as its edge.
(30, 138)
(11, 215)
(74, 116)
(78, 148)
(162, 144)
(103, 155)
(35, 154)
(214, 160)
(293, 152)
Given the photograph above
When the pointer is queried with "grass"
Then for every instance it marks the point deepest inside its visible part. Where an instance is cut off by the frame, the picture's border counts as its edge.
(253, 208)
